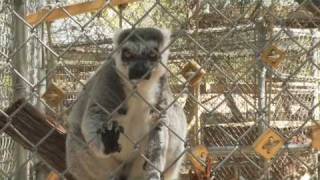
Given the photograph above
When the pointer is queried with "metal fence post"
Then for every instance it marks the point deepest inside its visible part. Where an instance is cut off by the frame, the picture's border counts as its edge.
(20, 87)
(262, 71)
(314, 55)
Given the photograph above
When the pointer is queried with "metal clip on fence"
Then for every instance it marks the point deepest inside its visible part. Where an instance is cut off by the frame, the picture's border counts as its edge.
(273, 56)
(193, 72)
(268, 144)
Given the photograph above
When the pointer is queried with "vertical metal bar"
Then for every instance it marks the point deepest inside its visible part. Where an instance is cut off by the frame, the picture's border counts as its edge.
(40, 67)
(262, 32)
(314, 55)
(120, 18)
(43, 61)
(6, 143)
(19, 60)
(197, 93)
(262, 71)
(197, 114)
(20, 87)
(41, 171)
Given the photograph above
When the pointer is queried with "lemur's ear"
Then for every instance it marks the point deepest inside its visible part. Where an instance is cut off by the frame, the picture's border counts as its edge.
(147, 33)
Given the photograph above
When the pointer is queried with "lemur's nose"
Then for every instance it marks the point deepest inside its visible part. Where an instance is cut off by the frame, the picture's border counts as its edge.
(139, 70)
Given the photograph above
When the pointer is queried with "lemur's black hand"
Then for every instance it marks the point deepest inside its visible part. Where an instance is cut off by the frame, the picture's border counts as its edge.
(110, 137)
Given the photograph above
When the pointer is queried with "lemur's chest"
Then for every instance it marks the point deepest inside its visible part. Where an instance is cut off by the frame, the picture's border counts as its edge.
(138, 106)
(137, 121)
(137, 112)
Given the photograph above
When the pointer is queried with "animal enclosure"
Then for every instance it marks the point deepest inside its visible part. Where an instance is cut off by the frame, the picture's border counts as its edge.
(246, 73)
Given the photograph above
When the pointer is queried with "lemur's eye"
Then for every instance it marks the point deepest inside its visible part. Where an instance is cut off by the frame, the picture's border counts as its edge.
(127, 54)
(154, 54)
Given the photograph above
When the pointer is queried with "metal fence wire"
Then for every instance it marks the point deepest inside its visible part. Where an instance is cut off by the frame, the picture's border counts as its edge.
(252, 101)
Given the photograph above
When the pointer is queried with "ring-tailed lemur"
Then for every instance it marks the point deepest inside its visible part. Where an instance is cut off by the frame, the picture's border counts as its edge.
(111, 126)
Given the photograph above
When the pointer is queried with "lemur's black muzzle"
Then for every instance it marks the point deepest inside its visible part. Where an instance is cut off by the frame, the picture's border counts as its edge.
(139, 70)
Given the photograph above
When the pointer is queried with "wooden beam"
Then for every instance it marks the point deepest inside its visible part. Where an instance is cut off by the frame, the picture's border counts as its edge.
(220, 88)
(74, 9)
(28, 125)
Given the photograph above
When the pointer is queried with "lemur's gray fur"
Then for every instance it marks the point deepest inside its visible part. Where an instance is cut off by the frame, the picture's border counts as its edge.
(109, 126)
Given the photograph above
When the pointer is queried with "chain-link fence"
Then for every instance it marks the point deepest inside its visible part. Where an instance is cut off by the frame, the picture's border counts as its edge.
(251, 101)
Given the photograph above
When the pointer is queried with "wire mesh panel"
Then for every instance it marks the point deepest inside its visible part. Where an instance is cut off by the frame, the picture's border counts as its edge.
(7, 159)
(246, 74)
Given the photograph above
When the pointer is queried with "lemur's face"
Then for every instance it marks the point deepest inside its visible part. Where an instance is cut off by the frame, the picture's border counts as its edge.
(140, 53)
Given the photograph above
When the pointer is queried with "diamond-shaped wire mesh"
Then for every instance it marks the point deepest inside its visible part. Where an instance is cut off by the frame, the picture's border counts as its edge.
(261, 64)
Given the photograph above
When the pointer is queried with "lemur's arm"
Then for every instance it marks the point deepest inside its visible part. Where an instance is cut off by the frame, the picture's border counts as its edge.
(159, 137)
(97, 127)
(99, 131)
(156, 153)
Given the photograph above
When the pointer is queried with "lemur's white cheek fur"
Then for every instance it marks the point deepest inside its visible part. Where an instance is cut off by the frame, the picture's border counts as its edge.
(120, 65)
